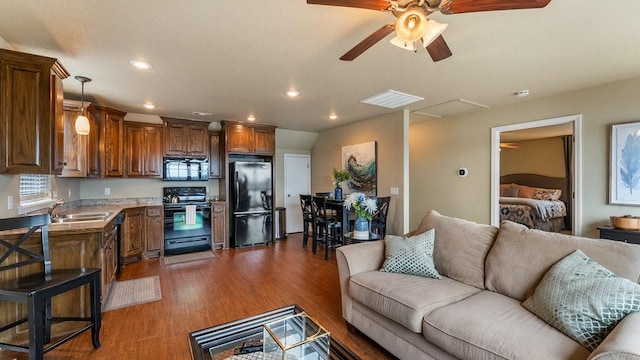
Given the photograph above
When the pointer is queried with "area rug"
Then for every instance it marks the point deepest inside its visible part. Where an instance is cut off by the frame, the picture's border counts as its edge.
(133, 292)
(182, 258)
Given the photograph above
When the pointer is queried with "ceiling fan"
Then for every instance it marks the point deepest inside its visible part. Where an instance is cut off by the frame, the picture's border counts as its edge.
(413, 25)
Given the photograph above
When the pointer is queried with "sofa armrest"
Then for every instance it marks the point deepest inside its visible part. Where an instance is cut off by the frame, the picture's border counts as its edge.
(622, 343)
(355, 259)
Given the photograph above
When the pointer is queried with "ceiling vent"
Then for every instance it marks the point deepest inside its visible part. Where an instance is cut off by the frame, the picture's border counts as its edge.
(391, 99)
(450, 108)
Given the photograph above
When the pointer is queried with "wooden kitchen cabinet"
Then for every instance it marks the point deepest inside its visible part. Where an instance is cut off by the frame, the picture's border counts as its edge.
(264, 140)
(106, 146)
(109, 257)
(75, 146)
(133, 230)
(215, 155)
(218, 225)
(185, 138)
(143, 150)
(155, 231)
(248, 139)
(31, 113)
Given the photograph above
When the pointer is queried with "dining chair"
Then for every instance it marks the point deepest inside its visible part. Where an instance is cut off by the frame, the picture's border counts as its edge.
(379, 218)
(38, 281)
(325, 194)
(307, 217)
(327, 228)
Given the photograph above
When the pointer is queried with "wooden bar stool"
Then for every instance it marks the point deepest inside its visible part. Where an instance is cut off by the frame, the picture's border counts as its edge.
(36, 289)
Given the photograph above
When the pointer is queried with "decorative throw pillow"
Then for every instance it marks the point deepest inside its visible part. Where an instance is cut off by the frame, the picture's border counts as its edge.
(412, 255)
(526, 191)
(510, 192)
(583, 299)
(547, 194)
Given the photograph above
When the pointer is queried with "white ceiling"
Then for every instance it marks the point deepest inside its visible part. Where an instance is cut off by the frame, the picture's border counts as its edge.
(236, 58)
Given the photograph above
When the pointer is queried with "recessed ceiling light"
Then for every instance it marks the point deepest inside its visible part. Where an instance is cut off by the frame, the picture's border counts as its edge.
(140, 64)
(333, 116)
(149, 106)
(292, 93)
(251, 118)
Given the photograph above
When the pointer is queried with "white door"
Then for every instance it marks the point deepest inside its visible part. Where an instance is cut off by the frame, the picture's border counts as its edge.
(297, 180)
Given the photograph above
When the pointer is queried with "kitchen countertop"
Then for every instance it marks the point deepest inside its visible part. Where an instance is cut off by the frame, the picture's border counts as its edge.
(114, 206)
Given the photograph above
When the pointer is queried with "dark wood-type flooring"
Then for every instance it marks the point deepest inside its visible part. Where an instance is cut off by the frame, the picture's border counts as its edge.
(196, 295)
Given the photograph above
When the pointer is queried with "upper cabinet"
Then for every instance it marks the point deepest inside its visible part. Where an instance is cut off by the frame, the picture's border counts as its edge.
(31, 115)
(106, 142)
(215, 156)
(75, 146)
(185, 138)
(248, 139)
(143, 150)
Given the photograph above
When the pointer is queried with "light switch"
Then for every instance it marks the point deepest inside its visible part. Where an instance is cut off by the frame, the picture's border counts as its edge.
(107, 191)
(394, 190)
(9, 202)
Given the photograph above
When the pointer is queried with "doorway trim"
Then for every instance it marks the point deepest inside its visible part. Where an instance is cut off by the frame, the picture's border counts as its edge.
(287, 187)
(576, 120)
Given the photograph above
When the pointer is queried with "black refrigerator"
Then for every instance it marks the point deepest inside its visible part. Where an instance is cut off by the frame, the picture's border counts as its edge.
(251, 203)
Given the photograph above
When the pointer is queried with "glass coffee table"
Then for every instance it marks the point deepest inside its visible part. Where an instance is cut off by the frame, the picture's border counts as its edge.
(238, 340)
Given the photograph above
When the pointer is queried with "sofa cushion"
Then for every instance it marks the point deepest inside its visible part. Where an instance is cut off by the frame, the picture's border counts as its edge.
(413, 255)
(520, 257)
(583, 299)
(403, 298)
(461, 247)
(492, 326)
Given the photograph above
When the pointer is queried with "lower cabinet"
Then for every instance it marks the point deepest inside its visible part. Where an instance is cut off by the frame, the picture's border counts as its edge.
(155, 231)
(109, 258)
(133, 230)
(218, 225)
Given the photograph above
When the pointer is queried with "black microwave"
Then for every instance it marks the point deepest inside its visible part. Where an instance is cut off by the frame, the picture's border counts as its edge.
(183, 169)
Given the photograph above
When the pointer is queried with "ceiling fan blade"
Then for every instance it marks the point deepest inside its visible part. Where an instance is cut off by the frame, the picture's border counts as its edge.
(363, 4)
(368, 42)
(438, 49)
(465, 6)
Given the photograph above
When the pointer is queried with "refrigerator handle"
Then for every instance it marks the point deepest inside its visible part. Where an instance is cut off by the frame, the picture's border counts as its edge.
(237, 192)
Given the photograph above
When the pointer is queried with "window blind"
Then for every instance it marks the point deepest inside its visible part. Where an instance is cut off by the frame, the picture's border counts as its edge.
(34, 187)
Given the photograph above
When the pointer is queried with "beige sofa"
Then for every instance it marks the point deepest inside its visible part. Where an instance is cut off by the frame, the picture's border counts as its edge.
(474, 311)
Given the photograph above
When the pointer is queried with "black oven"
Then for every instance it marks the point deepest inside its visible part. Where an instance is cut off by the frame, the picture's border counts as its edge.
(187, 220)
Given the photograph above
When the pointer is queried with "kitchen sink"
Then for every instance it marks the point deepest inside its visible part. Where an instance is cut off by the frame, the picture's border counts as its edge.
(70, 218)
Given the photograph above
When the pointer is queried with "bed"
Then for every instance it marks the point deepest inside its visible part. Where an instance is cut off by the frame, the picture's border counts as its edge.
(537, 201)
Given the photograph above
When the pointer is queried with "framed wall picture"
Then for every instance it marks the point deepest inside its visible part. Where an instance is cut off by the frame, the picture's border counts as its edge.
(360, 161)
(624, 177)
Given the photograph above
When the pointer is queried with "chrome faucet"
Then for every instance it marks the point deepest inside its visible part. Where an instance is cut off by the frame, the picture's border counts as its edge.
(52, 207)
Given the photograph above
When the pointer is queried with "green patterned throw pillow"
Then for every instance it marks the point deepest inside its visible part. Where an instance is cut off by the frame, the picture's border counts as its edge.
(583, 299)
(412, 255)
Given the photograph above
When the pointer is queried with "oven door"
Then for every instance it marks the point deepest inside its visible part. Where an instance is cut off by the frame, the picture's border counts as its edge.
(182, 236)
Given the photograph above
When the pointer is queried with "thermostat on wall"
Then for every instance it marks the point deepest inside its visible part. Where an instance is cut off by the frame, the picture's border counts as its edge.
(463, 172)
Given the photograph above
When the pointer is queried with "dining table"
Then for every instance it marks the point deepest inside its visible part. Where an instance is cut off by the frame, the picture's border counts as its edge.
(346, 216)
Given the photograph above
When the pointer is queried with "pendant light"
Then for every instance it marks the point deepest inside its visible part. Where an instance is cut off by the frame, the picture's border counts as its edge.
(82, 123)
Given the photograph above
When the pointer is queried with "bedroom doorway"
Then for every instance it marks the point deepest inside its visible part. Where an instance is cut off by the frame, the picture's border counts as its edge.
(534, 129)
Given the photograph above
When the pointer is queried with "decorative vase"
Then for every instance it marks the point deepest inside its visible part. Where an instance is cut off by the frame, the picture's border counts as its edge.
(361, 228)
(338, 193)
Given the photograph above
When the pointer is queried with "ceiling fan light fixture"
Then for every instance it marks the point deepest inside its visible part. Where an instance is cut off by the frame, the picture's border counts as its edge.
(411, 25)
(403, 44)
(434, 29)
